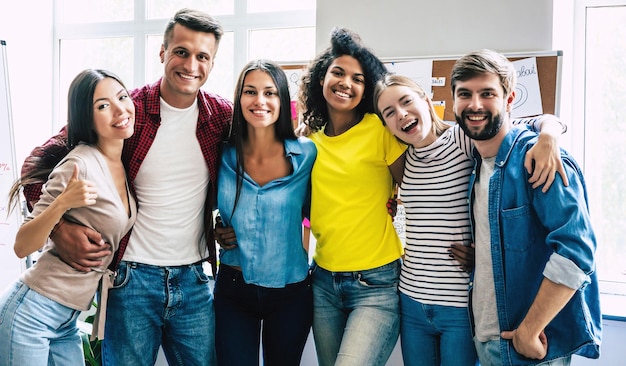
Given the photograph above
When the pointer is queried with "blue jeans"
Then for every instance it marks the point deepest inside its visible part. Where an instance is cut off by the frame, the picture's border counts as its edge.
(151, 306)
(285, 313)
(435, 334)
(490, 355)
(356, 315)
(35, 330)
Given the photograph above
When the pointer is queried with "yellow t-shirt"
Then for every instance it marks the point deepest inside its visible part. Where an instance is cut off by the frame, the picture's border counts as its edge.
(351, 184)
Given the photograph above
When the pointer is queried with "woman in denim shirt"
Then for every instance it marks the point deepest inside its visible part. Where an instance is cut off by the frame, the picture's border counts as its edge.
(263, 194)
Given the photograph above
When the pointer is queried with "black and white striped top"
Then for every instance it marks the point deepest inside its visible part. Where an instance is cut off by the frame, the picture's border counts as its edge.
(434, 193)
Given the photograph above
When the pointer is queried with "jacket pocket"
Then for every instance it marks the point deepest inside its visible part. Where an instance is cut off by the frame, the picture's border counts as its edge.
(516, 228)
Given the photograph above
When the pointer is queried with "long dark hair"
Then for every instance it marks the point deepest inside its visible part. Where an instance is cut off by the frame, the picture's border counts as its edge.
(343, 42)
(80, 128)
(80, 106)
(283, 127)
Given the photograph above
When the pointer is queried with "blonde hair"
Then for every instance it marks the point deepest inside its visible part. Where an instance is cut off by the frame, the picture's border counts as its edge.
(438, 125)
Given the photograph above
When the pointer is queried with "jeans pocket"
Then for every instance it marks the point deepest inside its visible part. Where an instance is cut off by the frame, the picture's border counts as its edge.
(198, 270)
(380, 277)
(122, 275)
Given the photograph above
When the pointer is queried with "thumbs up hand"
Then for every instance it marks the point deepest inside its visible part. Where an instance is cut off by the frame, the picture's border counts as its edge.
(78, 193)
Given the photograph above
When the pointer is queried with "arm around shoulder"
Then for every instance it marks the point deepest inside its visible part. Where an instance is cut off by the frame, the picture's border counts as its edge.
(543, 160)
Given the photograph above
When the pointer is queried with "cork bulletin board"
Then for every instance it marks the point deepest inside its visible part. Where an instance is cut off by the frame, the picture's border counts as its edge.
(549, 74)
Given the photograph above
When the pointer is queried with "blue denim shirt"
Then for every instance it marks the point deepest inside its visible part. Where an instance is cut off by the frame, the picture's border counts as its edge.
(536, 235)
(268, 219)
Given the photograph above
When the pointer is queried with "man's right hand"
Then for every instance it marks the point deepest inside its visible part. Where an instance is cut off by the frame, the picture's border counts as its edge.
(79, 246)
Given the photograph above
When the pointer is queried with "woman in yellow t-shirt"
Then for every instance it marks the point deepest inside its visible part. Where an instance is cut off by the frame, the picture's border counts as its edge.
(357, 257)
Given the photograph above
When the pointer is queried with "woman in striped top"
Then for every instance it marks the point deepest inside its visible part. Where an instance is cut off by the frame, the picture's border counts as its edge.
(435, 327)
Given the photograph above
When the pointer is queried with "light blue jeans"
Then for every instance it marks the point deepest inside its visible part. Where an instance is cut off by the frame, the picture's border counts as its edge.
(35, 330)
(490, 355)
(435, 334)
(152, 306)
(356, 315)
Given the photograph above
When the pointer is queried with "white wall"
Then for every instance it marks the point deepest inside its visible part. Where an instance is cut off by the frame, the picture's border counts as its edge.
(405, 28)
(28, 36)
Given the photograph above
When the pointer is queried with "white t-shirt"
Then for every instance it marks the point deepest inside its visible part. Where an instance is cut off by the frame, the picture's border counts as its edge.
(171, 188)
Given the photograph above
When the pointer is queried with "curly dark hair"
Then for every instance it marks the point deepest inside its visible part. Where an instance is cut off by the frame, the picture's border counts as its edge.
(343, 42)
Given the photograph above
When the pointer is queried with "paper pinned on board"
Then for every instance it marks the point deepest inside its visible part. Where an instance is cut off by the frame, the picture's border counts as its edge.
(439, 81)
(440, 108)
(293, 79)
(527, 92)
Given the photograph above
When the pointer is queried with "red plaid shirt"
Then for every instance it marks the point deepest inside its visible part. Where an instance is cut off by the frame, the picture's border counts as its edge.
(213, 125)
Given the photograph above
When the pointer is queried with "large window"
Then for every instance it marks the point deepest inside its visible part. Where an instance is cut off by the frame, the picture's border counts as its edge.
(599, 142)
(605, 138)
(125, 37)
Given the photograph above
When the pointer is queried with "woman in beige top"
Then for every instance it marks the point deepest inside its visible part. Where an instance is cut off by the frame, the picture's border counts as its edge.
(38, 313)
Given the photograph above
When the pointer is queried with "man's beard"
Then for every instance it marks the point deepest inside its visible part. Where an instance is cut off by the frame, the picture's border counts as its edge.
(489, 130)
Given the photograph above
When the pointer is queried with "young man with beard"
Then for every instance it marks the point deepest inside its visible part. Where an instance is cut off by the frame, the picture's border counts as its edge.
(161, 295)
(535, 297)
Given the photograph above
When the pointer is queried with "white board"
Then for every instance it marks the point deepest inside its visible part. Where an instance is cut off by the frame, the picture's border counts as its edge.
(10, 265)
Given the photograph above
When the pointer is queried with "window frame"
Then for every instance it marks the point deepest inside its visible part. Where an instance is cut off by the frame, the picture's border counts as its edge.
(571, 37)
(240, 23)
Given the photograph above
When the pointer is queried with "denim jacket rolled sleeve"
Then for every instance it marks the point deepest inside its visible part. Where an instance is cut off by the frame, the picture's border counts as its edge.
(536, 234)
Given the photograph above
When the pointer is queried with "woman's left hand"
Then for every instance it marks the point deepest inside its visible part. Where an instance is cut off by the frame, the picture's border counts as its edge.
(543, 161)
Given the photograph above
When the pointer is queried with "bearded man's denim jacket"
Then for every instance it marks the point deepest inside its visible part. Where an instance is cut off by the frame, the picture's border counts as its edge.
(536, 235)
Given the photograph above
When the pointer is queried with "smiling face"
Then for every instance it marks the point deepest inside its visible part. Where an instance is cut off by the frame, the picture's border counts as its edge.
(407, 115)
(480, 106)
(188, 60)
(259, 100)
(344, 84)
(113, 111)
